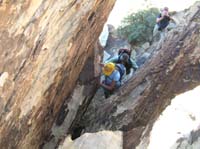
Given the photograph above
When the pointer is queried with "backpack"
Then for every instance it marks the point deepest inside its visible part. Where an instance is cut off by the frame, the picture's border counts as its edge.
(118, 83)
(121, 68)
(121, 51)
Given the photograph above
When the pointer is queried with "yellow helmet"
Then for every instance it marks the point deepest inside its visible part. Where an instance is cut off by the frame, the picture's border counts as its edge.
(108, 68)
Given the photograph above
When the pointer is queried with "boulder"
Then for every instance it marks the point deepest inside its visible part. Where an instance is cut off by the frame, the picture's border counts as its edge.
(44, 46)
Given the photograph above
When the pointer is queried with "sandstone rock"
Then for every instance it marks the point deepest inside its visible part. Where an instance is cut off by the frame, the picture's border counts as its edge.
(75, 105)
(178, 126)
(143, 58)
(114, 43)
(174, 69)
(100, 140)
(43, 48)
(146, 45)
(190, 141)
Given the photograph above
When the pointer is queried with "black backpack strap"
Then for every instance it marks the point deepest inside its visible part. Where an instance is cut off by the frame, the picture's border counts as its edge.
(119, 61)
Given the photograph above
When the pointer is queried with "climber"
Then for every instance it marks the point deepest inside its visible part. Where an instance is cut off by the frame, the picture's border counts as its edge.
(124, 57)
(162, 22)
(113, 75)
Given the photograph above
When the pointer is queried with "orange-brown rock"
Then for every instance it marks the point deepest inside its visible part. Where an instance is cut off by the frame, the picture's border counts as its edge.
(43, 48)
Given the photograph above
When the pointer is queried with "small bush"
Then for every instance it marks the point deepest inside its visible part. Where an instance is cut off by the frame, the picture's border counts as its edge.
(138, 27)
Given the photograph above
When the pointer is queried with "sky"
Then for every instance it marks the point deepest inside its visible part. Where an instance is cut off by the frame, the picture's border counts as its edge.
(124, 7)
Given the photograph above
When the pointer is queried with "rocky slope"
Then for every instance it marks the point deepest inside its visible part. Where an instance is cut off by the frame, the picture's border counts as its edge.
(100, 140)
(173, 69)
(43, 48)
(48, 77)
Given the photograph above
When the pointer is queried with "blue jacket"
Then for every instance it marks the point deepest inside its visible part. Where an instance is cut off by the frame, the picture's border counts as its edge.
(131, 63)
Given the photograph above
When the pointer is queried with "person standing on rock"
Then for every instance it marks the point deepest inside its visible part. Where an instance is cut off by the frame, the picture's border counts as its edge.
(162, 22)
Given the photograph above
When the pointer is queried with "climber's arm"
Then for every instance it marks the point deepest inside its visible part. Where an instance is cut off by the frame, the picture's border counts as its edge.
(113, 60)
(159, 19)
(108, 87)
(133, 64)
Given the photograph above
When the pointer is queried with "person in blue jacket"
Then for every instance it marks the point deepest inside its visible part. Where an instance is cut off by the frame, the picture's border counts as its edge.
(113, 74)
(124, 57)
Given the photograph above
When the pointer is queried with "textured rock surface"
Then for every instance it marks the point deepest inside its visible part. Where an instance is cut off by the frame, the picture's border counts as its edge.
(178, 126)
(114, 43)
(100, 140)
(190, 142)
(43, 48)
(172, 70)
(73, 107)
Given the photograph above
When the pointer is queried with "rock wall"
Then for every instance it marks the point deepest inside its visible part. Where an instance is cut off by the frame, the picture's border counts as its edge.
(181, 118)
(172, 70)
(76, 104)
(99, 140)
(43, 48)
(190, 141)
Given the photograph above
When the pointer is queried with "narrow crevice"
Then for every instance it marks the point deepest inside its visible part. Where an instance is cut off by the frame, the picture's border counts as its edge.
(77, 131)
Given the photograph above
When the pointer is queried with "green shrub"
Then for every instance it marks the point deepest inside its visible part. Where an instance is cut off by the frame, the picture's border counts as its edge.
(138, 27)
